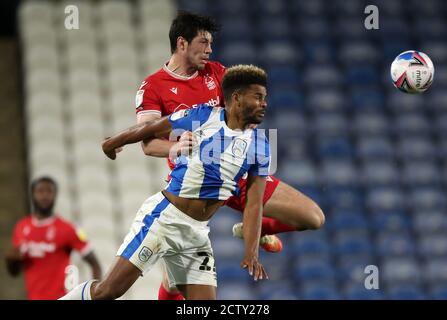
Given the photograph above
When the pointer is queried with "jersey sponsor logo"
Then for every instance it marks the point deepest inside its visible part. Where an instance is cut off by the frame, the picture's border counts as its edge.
(38, 249)
(174, 90)
(209, 81)
(145, 254)
(212, 102)
(139, 98)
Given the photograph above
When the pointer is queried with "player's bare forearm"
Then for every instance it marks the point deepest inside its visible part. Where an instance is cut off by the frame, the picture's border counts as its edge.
(253, 214)
(145, 130)
(160, 148)
(94, 265)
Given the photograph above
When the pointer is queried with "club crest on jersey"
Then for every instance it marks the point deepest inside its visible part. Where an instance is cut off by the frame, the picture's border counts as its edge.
(209, 81)
(239, 147)
(145, 254)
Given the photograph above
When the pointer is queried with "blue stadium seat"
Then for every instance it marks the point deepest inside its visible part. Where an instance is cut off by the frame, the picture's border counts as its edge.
(313, 269)
(441, 126)
(230, 271)
(301, 173)
(347, 220)
(330, 124)
(384, 199)
(352, 244)
(237, 29)
(272, 8)
(396, 221)
(351, 268)
(233, 290)
(405, 292)
(438, 292)
(222, 223)
(400, 102)
(432, 245)
(289, 122)
(399, 270)
(429, 221)
(283, 77)
(238, 52)
(319, 292)
(370, 124)
(325, 100)
(285, 99)
(363, 75)
(423, 198)
(319, 52)
(337, 147)
(437, 100)
(196, 6)
(279, 53)
(437, 50)
(310, 243)
(367, 99)
(414, 123)
(276, 290)
(344, 198)
(358, 52)
(274, 29)
(359, 292)
(312, 28)
(430, 28)
(435, 271)
(370, 148)
(303, 8)
(380, 173)
(227, 247)
(338, 172)
(420, 173)
(322, 76)
(416, 148)
(394, 244)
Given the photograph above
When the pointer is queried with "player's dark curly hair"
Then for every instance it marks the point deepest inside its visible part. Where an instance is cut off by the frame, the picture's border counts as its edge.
(240, 77)
(187, 25)
(46, 179)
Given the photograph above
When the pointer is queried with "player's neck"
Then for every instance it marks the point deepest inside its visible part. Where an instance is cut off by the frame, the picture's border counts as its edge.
(234, 122)
(42, 215)
(178, 66)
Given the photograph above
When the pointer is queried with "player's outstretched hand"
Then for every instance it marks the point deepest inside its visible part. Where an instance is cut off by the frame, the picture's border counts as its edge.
(109, 150)
(255, 268)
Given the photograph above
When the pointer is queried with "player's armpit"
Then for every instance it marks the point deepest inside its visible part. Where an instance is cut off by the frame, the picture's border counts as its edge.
(155, 147)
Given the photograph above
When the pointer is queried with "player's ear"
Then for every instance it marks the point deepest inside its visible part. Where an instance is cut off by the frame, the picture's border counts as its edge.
(182, 44)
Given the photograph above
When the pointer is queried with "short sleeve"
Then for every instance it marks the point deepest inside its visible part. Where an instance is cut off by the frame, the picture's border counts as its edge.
(260, 154)
(147, 100)
(190, 119)
(78, 240)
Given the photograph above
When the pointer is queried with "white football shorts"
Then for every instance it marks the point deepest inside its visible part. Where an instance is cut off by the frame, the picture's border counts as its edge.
(160, 230)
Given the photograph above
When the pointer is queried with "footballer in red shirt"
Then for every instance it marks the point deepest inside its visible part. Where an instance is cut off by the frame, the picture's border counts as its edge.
(42, 243)
(189, 78)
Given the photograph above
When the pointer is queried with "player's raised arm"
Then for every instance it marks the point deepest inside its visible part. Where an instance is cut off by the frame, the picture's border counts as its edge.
(252, 226)
(145, 130)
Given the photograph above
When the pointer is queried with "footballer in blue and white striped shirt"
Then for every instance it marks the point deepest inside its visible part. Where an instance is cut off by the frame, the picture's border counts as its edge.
(173, 224)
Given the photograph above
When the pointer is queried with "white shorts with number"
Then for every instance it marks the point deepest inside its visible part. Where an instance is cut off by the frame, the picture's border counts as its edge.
(160, 230)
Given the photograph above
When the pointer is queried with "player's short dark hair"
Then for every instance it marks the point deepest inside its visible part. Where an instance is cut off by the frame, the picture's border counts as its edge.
(187, 25)
(240, 77)
(45, 179)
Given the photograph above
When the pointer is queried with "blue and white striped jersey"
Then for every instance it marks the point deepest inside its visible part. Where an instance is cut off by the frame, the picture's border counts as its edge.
(221, 157)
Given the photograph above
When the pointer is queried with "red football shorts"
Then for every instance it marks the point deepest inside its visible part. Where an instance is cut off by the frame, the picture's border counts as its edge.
(238, 203)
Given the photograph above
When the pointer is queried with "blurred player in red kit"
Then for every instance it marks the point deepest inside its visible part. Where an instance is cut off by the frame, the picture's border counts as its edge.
(189, 78)
(42, 243)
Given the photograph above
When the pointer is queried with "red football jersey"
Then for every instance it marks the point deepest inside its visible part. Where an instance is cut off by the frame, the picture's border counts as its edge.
(165, 92)
(46, 245)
